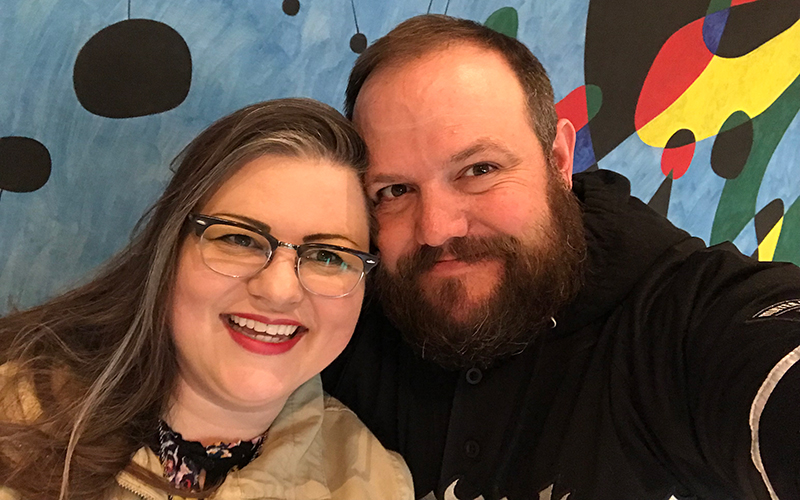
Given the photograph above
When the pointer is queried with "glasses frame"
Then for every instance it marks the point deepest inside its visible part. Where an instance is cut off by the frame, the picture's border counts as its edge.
(201, 222)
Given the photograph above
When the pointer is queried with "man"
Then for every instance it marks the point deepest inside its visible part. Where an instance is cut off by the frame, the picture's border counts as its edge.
(537, 342)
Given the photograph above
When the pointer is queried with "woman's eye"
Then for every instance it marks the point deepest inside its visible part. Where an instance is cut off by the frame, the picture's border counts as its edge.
(391, 192)
(239, 240)
(326, 258)
(479, 169)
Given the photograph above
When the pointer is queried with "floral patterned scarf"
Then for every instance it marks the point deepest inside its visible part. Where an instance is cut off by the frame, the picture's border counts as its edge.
(188, 465)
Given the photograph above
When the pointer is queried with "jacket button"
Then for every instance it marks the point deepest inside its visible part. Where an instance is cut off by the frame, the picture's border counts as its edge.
(472, 449)
(474, 376)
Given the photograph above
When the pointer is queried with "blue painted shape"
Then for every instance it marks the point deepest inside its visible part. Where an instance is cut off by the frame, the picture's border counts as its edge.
(695, 195)
(584, 151)
(713, 26)
(780, 179)
(747, 242)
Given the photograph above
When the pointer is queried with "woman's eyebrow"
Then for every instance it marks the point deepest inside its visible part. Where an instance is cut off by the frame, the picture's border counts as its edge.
(327, 236)
(247, 220)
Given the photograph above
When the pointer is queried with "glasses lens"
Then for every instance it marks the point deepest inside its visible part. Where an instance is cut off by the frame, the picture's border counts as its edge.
(329, 272)
(234, 251)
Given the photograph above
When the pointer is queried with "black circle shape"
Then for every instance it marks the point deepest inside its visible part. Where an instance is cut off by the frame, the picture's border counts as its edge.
(291, 7)
(135, 67)
(358, 43)
(24, 164)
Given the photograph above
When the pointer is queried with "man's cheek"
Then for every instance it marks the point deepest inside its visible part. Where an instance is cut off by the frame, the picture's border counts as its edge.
(393, 246)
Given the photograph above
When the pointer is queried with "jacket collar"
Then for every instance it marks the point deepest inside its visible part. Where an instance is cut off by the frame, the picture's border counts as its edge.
(290, 464)
(617, 226)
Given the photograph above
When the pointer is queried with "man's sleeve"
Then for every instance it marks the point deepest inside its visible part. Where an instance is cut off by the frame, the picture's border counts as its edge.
(775, 427)
(741, 372)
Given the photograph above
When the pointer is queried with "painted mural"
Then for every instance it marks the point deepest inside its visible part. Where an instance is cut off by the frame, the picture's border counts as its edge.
(696, 101)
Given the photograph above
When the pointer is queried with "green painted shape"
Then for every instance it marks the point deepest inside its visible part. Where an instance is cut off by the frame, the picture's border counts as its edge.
(737, 205)
(717, 5)
(594, 100)
(788, 248)
(504, 20)
(733, 121)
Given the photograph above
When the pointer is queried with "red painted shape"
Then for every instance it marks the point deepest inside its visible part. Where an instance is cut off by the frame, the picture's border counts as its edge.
(677, 160)
(679, 62)
(573, 107)
(740, 2)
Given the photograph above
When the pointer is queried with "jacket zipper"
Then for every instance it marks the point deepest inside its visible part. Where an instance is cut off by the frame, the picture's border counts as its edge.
(144, 496)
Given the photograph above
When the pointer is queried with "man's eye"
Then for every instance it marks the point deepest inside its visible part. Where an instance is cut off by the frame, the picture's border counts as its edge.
(393, 191)
(479, 169)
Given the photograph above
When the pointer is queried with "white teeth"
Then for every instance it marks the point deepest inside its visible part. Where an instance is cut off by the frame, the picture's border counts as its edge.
(282, 330)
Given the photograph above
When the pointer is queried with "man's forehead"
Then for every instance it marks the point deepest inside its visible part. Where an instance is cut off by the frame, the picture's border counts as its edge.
(445, 74)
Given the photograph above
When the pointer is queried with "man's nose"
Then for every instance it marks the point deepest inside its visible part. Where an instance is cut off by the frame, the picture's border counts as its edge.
(439, 219)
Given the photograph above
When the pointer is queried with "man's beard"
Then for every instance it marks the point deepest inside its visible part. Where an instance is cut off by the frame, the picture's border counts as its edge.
(537, 280)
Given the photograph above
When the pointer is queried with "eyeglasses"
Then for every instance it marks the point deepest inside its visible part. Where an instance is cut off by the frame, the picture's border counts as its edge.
(239, 250)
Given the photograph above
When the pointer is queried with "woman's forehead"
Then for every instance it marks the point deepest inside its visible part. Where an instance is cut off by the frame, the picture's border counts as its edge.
(295, 196)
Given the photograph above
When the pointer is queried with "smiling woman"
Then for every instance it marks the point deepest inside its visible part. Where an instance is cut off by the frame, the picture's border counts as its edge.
(196, 351)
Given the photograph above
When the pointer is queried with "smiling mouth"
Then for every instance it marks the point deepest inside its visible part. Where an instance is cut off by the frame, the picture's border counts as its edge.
(262, 332)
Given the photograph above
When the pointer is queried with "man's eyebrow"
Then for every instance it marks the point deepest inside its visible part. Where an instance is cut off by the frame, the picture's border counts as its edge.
(247, 220)
(316, 237)
(482, 146)
(479, 146)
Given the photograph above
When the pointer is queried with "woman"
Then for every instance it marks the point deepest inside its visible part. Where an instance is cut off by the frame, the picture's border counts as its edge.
(189, 367)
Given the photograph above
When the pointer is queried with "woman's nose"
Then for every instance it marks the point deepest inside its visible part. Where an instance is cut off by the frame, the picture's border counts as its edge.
(278, 282)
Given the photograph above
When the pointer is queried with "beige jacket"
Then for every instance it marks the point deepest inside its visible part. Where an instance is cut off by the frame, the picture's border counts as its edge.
(315, 449)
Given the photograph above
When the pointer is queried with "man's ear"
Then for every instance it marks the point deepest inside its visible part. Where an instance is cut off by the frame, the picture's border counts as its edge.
(564, 150)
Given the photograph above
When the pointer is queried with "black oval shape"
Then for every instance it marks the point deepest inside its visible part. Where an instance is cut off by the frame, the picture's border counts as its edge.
(682, 137)
(731, 149)
(358, 43)
(291, 7)
(750, 25)
(767, 217)
(135, 67)
(24, 164)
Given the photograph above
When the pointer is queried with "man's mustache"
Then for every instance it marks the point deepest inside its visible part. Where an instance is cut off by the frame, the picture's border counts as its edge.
(463, 249)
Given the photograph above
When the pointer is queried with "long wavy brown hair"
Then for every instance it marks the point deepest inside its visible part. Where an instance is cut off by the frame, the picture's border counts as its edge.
(98, 362)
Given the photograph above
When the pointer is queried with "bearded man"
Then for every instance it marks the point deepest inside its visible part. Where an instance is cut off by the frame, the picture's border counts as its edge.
(544, 335)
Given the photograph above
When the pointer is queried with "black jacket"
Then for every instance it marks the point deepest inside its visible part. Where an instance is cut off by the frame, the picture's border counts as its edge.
(644, 390)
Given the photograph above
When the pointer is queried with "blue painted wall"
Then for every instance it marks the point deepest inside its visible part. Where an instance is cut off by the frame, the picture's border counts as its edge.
(106, 172)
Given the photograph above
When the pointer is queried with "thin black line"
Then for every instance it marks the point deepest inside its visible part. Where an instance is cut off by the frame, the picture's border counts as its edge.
(430, 4)
(355, 18)
(1, 193)
(446, 7)
(129, 9)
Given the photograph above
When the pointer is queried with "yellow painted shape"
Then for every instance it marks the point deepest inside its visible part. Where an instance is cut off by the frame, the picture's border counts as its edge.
(749, 83)
(766, 250)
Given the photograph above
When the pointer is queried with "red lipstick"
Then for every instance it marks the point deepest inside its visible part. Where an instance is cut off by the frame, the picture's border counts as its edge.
(262, 347)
